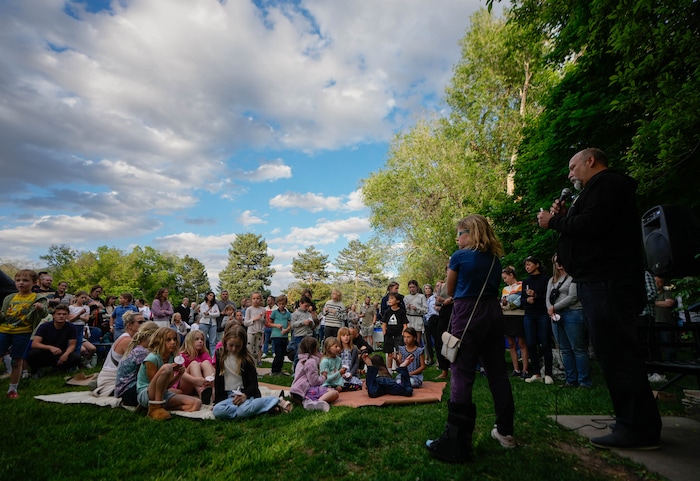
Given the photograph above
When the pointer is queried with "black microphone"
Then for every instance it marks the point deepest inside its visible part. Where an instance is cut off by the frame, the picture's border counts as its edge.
(565, 194)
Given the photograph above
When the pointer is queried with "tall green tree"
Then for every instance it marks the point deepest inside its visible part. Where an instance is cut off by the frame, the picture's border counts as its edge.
(249, 267)
(360, 264)
(310, 266)
(446, 168)
(191, 279)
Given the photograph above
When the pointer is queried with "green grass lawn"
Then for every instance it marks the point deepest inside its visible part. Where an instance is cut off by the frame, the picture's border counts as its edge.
(45, 441)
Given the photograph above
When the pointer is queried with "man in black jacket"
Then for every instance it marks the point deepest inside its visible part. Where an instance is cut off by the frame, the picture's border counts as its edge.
(601, 248)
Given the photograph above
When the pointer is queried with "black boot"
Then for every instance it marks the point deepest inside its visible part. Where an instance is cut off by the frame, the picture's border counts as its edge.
(455, 444)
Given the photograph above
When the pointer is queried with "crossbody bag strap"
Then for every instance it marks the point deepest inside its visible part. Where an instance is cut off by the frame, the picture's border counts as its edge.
(493, 261)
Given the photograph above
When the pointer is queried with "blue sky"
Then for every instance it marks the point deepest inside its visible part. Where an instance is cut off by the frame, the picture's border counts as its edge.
(179, 123)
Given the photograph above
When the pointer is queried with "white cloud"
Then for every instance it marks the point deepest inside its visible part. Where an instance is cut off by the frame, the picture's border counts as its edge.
(269, 171)
(247, 219)
(309, 201)
(325, 231)
(318, 202)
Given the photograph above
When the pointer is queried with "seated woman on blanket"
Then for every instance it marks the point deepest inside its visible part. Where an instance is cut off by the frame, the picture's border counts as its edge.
(108, 374)
(128, 369)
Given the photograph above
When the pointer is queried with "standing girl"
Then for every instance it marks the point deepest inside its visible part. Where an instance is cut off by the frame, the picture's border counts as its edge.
(411, 348)
(208, 313)
(79, 315)
(350, 360)
(254, 320)
(307, 387)
(236, 382)
(158, 372)
(473, 280)
(538, 329)
(198, 367)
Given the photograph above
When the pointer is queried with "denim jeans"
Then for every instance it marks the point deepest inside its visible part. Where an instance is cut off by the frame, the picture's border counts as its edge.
(210, 333)
(378, 386)
(267, 345)
(537, 335)
(250, 407)
(570, 333)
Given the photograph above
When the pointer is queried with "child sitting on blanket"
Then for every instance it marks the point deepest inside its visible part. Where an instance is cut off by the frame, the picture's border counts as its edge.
(350, 359)
(158, 372)
(416, 368)
(331, 364)
(198, 378)
(379, 380)
(128, 367)
(236, 383)
(307, 387)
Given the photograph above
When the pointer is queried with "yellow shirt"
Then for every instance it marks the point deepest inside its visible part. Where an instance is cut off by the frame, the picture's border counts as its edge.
(18, 314)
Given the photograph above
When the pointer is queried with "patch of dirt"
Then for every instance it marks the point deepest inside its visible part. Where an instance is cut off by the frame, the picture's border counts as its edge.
(594, 464)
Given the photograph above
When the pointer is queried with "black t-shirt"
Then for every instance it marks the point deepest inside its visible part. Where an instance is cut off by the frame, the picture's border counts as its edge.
(56, 337)
(395, 321)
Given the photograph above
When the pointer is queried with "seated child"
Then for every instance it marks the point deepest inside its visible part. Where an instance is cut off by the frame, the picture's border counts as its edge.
(380, 382)
(416, 368)
(350, 359)
(237, 394)
(198, 367)
(331, 365)
(129, 364)
(158, 372)
(307, 388)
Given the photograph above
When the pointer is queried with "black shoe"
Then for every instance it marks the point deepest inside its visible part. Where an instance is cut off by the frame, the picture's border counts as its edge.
(516, 373)
(624, 440)
(205, 396)
(450, 447)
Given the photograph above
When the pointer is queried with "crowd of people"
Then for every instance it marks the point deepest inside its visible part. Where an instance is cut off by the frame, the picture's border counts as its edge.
(164, 357)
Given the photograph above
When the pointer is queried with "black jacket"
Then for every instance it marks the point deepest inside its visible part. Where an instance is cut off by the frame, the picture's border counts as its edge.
(248, 372)
(601, 237)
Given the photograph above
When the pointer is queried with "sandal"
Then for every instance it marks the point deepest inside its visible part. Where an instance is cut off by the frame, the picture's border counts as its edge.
(285, 406)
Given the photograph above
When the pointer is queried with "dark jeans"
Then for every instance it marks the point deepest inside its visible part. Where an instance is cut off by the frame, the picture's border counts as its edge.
(279, 346)
(538, 335)
(612, 310)
(482, 344)
(430, 335)
(378, 386)
(38, 358)
(442, 322)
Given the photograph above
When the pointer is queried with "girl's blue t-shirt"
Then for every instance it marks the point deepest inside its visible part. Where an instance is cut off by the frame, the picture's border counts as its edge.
(472, 267)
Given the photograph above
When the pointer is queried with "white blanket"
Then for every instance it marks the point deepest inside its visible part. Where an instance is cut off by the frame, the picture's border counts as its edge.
(86, 397)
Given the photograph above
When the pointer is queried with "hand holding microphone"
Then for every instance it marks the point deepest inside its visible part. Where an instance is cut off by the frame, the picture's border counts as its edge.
(557, 208)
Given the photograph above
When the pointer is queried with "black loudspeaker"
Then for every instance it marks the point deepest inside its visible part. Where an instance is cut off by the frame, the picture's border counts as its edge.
(671, 241)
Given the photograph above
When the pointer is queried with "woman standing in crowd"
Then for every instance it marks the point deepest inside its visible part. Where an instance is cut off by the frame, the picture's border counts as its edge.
(444, 301)
(473, 279)
(536, 321)
(161, 308)
(430, 322)
(208, 313)
(569, 326)
(511, 297)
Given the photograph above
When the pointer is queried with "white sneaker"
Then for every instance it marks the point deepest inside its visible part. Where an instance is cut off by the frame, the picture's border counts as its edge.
(317, 406)
(507, 442)
(534, 378)
(548, 380)
(656, 377)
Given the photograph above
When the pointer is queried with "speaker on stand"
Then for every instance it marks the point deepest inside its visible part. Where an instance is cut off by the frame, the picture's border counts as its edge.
(671, 241)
